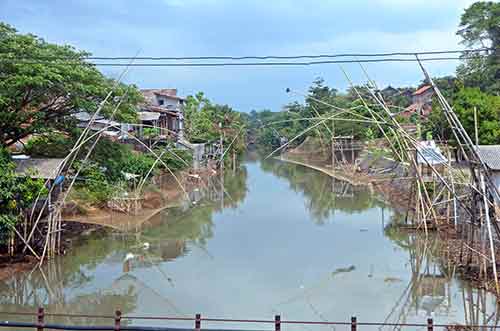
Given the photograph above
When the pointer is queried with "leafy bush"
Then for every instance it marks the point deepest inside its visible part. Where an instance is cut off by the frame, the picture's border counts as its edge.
(50, 145)
(95, 189)
(16, 194)
(137, 163)
(176, 159)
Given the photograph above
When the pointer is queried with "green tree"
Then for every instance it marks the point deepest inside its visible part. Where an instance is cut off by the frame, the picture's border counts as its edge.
(41, 84)
(464, 102)
(480, 26)
(488, 109)
(51, 144)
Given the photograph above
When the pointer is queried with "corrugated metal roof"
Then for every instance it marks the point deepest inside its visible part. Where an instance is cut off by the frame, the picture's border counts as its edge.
(38, 168)
(148, 116)
(429, 153)
(490, 154)
(85, 117)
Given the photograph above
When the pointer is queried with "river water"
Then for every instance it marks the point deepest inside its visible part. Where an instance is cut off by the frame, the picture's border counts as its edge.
(274, 238)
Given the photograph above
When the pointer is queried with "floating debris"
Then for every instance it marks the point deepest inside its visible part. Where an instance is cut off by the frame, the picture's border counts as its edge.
(392, 280)
(343, 270)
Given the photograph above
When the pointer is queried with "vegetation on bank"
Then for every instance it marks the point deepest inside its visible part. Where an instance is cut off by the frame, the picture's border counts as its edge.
(16, 194)
(270, 127)
(207, 122)
(475, 85)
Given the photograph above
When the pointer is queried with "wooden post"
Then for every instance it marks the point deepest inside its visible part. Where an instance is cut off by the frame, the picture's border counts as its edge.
(118, 318)
(49, 225)
(333, 145)
(430, 324)
(197, 322)
(234, 161)
(352, 151)
(221, 146)
(277, 323)
(40, 319)
(354, 323)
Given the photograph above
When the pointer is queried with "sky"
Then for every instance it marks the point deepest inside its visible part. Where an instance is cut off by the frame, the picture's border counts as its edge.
(238, 28)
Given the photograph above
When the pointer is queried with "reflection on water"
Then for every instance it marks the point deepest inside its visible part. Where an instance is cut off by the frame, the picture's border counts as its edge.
(272, 238)
(323, 196)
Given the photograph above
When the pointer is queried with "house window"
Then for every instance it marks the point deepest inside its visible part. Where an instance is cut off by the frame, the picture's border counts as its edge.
(161, 102)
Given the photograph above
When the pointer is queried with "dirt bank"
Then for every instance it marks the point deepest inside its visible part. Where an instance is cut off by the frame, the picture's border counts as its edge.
(381, 175)
(80, 220)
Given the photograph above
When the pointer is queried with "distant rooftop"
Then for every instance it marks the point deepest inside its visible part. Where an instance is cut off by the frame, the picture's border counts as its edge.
(85, 117)
(149, 94)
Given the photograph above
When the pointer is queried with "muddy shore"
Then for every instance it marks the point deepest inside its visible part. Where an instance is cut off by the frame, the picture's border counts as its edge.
(164, 192)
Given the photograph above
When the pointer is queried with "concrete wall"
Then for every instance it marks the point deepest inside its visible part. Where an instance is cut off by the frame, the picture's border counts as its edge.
(423, 98)
(168, 102)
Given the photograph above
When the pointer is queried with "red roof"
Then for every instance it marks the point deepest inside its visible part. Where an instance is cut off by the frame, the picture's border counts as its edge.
(422, 89)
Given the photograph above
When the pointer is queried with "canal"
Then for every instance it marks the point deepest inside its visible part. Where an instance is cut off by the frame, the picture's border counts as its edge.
(274, 238)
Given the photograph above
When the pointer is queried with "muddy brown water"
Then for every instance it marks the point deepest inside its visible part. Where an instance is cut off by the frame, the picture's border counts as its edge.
(274, 238)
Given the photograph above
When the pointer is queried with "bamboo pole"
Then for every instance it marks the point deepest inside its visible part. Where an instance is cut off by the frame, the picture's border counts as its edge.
(24, 241)
(490, 235)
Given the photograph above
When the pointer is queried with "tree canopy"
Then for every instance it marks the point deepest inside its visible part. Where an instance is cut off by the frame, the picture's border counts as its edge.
(480, 27)
(41, 84)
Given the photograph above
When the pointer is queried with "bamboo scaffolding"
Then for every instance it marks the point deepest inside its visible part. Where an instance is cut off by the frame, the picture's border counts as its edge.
(72, 155)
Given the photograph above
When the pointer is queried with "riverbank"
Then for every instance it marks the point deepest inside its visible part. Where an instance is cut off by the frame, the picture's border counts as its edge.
(78, 220)
(371, 172)
(344, 176)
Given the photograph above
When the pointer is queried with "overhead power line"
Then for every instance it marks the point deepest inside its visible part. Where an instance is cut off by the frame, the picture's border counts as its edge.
(235, 64)
(263, 57)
